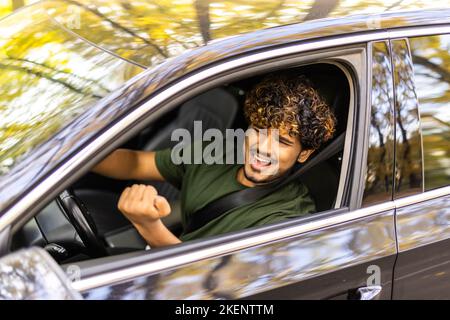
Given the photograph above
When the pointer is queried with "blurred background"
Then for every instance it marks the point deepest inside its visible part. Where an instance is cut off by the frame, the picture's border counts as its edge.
(325, 7)
(8, 6)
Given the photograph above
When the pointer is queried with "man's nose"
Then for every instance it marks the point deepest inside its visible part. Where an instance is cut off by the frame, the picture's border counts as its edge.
(265, 144)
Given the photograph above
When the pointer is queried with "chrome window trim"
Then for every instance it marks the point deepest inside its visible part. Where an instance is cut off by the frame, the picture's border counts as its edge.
(425, 196)
(368, 102)
(225, 248)
(393, 34)
(348, 136)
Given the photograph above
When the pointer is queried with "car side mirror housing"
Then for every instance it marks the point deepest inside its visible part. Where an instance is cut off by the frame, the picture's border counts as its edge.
(32, 274)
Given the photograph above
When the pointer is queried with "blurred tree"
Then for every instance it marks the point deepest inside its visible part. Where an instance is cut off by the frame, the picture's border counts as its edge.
(321, 9)
(47, 77)
(202, 8)
(431, 57)
(16, 4)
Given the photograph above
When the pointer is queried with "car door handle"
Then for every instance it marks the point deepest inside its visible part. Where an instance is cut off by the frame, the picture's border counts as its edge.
(366, 293)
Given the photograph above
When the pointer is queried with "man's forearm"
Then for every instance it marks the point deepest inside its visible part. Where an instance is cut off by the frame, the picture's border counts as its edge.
(118, 165)
(157, 235)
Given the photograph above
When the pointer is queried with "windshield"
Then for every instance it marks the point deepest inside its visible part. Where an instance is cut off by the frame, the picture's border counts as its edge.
(48, 76)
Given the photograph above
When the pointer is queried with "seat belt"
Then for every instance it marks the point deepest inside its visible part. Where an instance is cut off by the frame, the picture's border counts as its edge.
(241, 198)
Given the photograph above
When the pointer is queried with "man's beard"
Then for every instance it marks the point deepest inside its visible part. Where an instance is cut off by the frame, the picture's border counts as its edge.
(258, 181)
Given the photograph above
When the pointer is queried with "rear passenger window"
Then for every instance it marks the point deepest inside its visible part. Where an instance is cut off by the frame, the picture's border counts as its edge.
(431, 58)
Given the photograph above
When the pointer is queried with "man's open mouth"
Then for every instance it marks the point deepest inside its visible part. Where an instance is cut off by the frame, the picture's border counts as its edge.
(259, 161)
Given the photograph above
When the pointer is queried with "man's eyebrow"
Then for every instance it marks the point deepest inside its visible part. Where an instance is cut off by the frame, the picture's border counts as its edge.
(280, 138)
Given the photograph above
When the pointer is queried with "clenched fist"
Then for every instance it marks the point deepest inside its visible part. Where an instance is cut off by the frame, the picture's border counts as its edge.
(141, 204)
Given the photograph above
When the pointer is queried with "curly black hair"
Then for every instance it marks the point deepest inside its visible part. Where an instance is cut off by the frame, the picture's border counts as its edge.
(289, 102)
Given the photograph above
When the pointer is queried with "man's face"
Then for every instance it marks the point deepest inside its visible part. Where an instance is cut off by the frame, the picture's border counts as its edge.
(269, 153)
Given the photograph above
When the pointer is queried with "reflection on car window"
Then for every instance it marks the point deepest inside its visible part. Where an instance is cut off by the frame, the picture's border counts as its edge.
(380, 158)
(408, 152)
(431, 57)
(47, 77)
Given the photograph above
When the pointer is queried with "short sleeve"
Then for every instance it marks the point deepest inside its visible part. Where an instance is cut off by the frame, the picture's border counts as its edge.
(172, 173)
(173, 163)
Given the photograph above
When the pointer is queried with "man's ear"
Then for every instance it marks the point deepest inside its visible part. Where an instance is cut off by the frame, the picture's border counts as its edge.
(304, 155)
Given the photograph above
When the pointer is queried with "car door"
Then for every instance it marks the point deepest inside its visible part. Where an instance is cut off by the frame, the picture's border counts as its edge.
(422, 189)
(329, 255)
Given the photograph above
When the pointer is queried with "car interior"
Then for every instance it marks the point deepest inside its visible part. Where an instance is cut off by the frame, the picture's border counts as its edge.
(54, 229)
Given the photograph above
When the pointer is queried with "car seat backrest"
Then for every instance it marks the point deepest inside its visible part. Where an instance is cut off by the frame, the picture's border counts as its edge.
(335, 91)
(216, 108)
(322, 182)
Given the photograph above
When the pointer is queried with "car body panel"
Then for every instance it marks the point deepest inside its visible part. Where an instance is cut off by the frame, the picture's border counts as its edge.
(334, 255)
(423, 265)
(316, 255)
(423, 228)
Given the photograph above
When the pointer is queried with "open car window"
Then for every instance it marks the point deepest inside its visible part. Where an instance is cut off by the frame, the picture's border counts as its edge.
(219, 108)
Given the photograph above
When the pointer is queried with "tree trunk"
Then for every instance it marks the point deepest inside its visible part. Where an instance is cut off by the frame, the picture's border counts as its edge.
(202, 8)
(16, 4)
(321, 9)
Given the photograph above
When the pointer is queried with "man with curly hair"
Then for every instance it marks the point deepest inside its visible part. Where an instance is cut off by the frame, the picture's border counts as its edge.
(285, 105)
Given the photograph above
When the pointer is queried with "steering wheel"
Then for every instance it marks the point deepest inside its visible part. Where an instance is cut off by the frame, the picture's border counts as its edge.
(82, 221)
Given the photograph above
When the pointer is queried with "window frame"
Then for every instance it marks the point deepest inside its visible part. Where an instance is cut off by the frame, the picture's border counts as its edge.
(284, 57)
(127, 131)
(321, 219)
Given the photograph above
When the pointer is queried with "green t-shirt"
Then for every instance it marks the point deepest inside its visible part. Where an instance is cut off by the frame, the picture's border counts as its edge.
(202, 183)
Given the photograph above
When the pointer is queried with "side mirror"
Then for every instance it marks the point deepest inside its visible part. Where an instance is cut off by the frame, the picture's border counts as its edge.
(32, 274)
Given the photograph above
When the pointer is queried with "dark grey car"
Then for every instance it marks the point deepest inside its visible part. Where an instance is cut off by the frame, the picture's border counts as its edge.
(126, 75)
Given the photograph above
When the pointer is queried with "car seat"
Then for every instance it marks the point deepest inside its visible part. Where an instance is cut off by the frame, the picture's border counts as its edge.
(333, 87)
